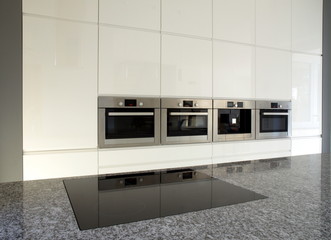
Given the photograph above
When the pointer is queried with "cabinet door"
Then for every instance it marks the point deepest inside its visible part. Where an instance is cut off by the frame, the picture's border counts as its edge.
(193, 17)
(306, 95)
(82, 10)
(251, 150)
(129, 62)
(306, 145)
(186, 67)
(273, 74)
(131, 13)
(273, 23)
(60, 164)
(234, 20)
(307, 25)
(141, 159)
(59, 84)
(233, 70)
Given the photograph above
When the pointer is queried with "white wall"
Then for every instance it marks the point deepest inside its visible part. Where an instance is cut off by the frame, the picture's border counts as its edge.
(75, 50)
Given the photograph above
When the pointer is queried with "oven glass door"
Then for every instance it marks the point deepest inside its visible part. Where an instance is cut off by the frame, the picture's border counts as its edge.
(234, 121)
(187, 122)
(129, 123)
(273, 121)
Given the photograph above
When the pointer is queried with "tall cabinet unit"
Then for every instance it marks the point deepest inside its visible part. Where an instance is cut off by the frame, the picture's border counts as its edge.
(307, 18)
(75, 51)
(129, 47)
(59, 87)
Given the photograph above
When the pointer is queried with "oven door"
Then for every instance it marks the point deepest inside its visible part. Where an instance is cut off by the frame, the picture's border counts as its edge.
(234, 124)
(186, 126)
(120, 127)
(273, 123)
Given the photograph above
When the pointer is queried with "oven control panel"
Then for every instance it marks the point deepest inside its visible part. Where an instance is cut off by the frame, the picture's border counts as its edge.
(235, 104)
(127, 102)
(273, 105)
(185, 103)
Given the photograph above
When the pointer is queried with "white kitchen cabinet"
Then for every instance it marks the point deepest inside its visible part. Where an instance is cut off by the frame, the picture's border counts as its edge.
(158, 157)
(59, 84)
(251, 150)
(306, 145)
(233, 70)
(60, 164)
(273, 23)
(192, 17)
(306, 95)
(186, 67)
(273, 74)
(234, 20)
(81, 10)
(307, 25)
(131, 13)
(129, 62)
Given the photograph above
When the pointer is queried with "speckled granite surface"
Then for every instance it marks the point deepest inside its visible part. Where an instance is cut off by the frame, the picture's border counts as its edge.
(298, 207)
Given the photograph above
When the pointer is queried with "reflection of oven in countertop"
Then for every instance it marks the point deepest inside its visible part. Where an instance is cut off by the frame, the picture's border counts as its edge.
(270, 164)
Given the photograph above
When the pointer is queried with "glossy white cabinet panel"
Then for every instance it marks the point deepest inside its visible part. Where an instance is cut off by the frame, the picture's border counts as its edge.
(82, 10)
(186, 67)
(251, 150)
(131, 13)
(233, 70)
(129, 62)
(273, 23)
(60, 164)
(59, 84)
(193, 17)
(307, 25)
(273, 74)
(306, 95)
(234, 20)
(306, 145)
(138, 159)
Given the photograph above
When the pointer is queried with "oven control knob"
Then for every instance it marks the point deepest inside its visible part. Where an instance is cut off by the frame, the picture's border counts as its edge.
(280, 106)
(236, 105)
(120, 104)
(141, 104)
(180, 104)
(196, 105)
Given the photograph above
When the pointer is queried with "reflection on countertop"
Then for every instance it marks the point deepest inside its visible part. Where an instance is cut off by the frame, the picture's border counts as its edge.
(298, 207)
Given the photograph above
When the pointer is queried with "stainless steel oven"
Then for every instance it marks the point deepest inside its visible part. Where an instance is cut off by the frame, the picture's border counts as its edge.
(125, 122)
(186, 121)
(273, 119)
(233, 120)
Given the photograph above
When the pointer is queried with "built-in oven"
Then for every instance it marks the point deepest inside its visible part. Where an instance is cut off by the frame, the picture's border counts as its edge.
(125, 122)
(273, 119)
(233, 120)
(186, 121)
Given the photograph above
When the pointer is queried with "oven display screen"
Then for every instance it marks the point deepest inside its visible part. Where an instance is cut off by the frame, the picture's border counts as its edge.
(187, 103)
(130, 102)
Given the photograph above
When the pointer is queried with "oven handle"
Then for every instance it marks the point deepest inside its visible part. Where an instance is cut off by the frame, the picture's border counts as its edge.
(188, 114)
(117, 114)
(275, 114)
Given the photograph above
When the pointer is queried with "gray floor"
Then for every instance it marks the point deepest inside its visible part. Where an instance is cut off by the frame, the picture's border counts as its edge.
(298, 207)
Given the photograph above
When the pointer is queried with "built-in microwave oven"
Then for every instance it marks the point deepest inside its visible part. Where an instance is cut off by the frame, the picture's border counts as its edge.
(125, 122)
(186, 121)
(273, 119)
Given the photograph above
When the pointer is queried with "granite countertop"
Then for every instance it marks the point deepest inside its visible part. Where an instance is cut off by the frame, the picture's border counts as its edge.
(298, 207)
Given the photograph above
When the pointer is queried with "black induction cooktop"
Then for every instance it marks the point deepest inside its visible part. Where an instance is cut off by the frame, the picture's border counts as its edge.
(116, 199)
